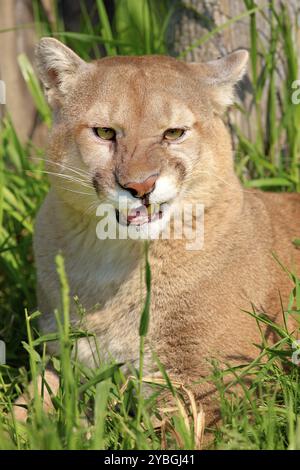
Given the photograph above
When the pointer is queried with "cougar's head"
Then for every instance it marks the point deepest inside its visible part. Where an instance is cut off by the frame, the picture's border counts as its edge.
(144, 130)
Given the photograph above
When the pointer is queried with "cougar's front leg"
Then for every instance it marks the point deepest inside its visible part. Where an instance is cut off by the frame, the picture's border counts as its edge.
(52, 380)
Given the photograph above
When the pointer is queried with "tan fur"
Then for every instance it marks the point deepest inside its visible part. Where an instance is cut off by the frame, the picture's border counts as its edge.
(197, 298)
(51, 381)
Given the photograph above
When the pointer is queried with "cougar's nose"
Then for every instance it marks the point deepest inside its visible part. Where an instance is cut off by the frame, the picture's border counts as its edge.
(140, 189)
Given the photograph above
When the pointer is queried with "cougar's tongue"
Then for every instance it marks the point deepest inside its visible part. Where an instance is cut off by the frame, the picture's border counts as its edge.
(138, 216)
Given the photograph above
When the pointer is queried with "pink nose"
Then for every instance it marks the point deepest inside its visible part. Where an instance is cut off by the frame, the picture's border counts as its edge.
(138, 189)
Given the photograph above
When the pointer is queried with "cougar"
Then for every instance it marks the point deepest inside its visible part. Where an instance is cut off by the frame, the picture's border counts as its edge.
(149, 131)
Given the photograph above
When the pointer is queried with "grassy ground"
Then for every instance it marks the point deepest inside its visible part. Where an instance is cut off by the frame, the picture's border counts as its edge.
(101, 408)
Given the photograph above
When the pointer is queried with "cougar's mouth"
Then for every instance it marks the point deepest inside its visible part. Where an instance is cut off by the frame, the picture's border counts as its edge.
(144, 214)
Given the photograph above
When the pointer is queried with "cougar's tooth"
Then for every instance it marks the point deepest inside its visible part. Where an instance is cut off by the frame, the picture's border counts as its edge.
(150, 209)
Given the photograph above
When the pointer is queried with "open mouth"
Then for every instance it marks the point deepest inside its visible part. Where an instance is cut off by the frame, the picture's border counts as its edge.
(144, 214)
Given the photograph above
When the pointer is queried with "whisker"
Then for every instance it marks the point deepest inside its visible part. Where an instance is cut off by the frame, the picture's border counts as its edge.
(63, 165)
(77, 192)
(215, 175)
(67, 177)
(91, 209)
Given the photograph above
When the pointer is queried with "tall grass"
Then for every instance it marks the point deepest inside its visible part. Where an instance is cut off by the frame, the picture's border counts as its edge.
(100, 408)
(94, 409)
(273, 155)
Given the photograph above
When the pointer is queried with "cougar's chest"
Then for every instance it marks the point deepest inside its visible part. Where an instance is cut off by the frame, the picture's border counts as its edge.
(96, 272)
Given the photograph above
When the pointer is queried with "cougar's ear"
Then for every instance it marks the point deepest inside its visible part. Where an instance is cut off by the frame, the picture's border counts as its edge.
(57, 67)
(221, 75)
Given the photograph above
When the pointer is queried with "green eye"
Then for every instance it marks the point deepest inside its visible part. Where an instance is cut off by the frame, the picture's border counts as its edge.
(105, 133)
(173, 134)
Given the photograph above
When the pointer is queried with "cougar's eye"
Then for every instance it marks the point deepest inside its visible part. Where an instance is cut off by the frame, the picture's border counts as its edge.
(173, 134)
(105, 133)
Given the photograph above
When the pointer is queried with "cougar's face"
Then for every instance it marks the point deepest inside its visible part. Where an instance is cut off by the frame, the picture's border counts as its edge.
(137, 139)
(139, 133)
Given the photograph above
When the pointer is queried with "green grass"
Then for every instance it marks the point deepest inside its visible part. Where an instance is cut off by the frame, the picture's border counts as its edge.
(100, 408)
(273, 155)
